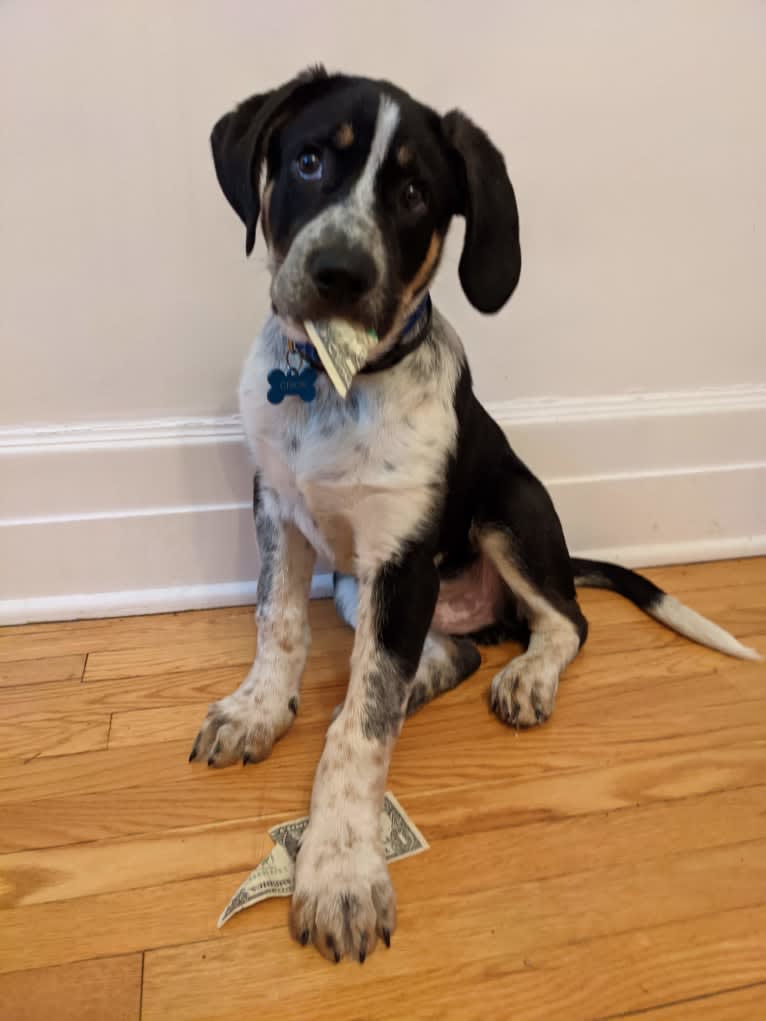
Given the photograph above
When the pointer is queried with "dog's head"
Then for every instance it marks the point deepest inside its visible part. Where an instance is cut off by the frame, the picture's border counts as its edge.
(355, 183)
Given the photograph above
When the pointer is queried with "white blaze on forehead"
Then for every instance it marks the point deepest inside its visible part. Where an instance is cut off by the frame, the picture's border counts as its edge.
(385, 128)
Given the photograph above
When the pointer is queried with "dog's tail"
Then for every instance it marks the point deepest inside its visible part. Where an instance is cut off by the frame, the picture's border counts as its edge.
(658, 604)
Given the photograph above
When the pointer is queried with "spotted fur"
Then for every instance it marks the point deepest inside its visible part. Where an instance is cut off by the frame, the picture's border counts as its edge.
(407, 487)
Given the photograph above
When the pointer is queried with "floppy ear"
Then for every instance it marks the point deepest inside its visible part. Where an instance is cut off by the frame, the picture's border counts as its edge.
(490, 265)
(239, 142)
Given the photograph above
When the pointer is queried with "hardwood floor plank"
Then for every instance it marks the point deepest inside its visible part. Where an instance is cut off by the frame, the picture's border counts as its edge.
(73, 637)
(64, 637)
(181, 698)
(106, 989)
(529, 915)
(625, 722)
(748, 1004)
(108, 866)
(40, 671)
(580, 843)
(32, 735)
(712, 574)
(177, 723)
(741, 612)
(203, 653)
(693, 718)
(155, 797)
(156, 630)
(468, 970)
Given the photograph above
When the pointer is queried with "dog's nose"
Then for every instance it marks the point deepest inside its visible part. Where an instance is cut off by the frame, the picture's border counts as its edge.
(342, 272)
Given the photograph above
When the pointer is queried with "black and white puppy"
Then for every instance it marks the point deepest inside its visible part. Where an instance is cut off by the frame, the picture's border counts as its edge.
(439, 535)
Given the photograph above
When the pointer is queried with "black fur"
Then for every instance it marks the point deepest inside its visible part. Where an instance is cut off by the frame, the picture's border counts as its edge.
(490, 265)
(451, 163)
(597, 574)
(239, 141)
(488, 485)
(404, 598)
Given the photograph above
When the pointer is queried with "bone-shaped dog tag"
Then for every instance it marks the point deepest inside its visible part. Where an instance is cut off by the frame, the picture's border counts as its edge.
(291, 384)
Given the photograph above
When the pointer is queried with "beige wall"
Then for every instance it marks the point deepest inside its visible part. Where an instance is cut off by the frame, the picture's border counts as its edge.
(634, 133)
(629, 368)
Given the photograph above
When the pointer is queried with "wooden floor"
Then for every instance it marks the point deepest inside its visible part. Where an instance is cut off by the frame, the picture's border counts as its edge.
(611, 863)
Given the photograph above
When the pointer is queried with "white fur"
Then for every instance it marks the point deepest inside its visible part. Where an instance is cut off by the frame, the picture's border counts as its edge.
(688, 622)
(385, 128)
(337, 488)
(529, 683)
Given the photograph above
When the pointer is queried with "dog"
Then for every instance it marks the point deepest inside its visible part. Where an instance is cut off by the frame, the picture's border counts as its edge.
(440, 537)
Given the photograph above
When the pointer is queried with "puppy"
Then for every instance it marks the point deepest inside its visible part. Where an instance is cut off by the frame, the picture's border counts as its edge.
(439, 535)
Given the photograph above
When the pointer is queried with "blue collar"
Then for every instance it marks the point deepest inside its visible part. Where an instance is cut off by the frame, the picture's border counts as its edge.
(414, 332)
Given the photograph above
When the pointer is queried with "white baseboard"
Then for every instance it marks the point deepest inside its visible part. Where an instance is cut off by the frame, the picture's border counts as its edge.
(136, 517)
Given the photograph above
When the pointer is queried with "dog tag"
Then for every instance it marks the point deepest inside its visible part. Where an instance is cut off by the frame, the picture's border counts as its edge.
(291, 384)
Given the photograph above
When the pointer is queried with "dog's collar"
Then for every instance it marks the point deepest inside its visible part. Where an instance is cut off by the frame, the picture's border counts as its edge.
(414, 332)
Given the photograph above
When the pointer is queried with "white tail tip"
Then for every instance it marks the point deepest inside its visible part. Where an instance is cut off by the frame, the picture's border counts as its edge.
(693, 625)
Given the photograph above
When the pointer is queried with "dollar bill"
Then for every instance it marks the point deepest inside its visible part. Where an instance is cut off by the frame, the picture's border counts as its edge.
(342, 348)
(275, 876)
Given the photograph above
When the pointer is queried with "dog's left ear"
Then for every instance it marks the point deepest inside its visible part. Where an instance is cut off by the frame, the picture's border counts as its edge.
(490, 265)
(240, 140)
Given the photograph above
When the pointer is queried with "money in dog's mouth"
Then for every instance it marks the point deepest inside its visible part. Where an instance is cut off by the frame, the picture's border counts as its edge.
(343, 348)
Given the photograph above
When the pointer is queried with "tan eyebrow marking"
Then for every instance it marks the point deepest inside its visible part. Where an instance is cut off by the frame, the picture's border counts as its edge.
(404, 155)
(344, 136)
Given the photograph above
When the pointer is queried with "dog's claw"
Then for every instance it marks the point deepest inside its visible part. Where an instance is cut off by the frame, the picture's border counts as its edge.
(332, 948)
(304, 937)
(387, 937)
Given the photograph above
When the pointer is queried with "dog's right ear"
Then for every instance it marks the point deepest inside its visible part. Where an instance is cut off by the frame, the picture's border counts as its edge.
(240, 140)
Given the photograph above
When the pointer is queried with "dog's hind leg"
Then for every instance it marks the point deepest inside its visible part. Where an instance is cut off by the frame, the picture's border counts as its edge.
(519, 531)
(444, 662)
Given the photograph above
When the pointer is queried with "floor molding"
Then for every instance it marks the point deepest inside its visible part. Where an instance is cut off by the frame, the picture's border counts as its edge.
(129, 517)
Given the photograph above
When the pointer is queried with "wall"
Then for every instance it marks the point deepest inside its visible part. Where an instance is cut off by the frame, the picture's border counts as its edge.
(629, 367)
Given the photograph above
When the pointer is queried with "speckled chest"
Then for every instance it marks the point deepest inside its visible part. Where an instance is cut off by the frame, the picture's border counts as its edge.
(357, 475)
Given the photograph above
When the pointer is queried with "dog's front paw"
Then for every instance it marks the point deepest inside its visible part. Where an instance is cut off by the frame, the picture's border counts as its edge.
(343, 900)
(523, 693)
(243, 726)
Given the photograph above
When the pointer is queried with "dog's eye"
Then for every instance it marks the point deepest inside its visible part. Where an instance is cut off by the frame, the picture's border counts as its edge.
(309, 165)
(413, 197)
